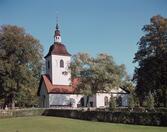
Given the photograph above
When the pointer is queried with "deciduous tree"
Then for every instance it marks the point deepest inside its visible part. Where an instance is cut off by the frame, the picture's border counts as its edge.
(20, 66)
(97, 74)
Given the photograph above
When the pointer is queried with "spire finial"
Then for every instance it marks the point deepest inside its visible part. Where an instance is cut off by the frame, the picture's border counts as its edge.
(57, 25)
(57, 36)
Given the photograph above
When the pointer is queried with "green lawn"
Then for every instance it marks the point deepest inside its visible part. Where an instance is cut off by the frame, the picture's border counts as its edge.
(55, 124)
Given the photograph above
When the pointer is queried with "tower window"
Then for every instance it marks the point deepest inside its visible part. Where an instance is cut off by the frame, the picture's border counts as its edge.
(61, 63)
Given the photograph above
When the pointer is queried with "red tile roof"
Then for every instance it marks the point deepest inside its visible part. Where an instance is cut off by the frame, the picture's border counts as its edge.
(62, 89)
(58, 49)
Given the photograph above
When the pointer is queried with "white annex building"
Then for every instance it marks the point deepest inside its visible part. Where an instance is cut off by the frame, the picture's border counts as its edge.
(56, 88)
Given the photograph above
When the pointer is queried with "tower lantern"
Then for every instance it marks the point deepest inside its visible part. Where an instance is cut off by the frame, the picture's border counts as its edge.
(57, 35)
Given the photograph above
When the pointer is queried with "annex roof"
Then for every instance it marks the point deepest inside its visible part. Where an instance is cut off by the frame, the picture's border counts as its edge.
(61, 89)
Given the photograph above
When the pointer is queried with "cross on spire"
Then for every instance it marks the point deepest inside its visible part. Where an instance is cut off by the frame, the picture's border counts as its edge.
(57, 25)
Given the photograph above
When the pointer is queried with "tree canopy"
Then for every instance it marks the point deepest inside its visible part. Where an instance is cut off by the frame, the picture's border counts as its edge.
(151, 73)
(97, 74)
(20, 66)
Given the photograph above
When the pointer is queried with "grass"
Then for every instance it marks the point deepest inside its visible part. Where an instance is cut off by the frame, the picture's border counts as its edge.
(56, 124)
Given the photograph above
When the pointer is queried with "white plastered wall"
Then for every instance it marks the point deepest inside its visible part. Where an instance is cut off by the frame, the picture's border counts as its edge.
(58, 78)
(100, 98)
(74, 99)
(64, 99)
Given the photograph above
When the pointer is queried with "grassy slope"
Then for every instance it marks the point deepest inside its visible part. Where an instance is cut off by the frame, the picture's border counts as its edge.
(55, 124)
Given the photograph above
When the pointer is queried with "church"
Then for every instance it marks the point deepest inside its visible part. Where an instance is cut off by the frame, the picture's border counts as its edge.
(56, 89)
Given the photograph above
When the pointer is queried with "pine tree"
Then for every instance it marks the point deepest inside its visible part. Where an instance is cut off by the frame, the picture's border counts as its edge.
(151, 74)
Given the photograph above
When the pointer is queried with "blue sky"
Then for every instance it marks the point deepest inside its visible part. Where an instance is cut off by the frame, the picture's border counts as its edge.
(92, 26)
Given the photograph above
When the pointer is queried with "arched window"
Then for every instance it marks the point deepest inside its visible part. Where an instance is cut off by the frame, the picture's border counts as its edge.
(61, 63)
(82, 102)
(106, 103)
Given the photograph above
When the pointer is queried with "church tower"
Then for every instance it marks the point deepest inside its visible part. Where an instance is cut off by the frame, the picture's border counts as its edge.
(58, 61)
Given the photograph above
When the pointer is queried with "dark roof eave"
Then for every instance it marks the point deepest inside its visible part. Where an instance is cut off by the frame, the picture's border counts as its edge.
(57, 54)
(52, 92)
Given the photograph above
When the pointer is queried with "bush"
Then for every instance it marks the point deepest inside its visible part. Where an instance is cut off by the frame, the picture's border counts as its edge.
(161, 109)
(136, 101)
(150, 101)
(112, 103)
(20, 113)
(140, 118)
(131, 102)
(27, 112)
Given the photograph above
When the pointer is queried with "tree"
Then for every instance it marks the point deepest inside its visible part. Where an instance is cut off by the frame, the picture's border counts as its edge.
(150, 101)
(128, 85)
(131, 102)
(20, 66)
(98, 74)
(80, 68)
(151, 73)
(112, 103)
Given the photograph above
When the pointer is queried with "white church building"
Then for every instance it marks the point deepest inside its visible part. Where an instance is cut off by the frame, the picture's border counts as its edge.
(57, 89)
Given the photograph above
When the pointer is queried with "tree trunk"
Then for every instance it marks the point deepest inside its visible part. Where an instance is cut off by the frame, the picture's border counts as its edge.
(141, 101)
(12, 100)
(165, 102)
(6, 102)
(13, 103)
(87, 101)
(165, 99)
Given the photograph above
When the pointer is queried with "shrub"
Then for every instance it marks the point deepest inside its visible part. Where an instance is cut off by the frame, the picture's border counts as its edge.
(136, 101)
(141, 118)
(150, 101)
(112, 103)
(161, 109)
(131, 102)
(20, 113)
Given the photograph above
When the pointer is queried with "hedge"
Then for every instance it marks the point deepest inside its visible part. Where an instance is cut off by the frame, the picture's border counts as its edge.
(20, 113)
(139, 118)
